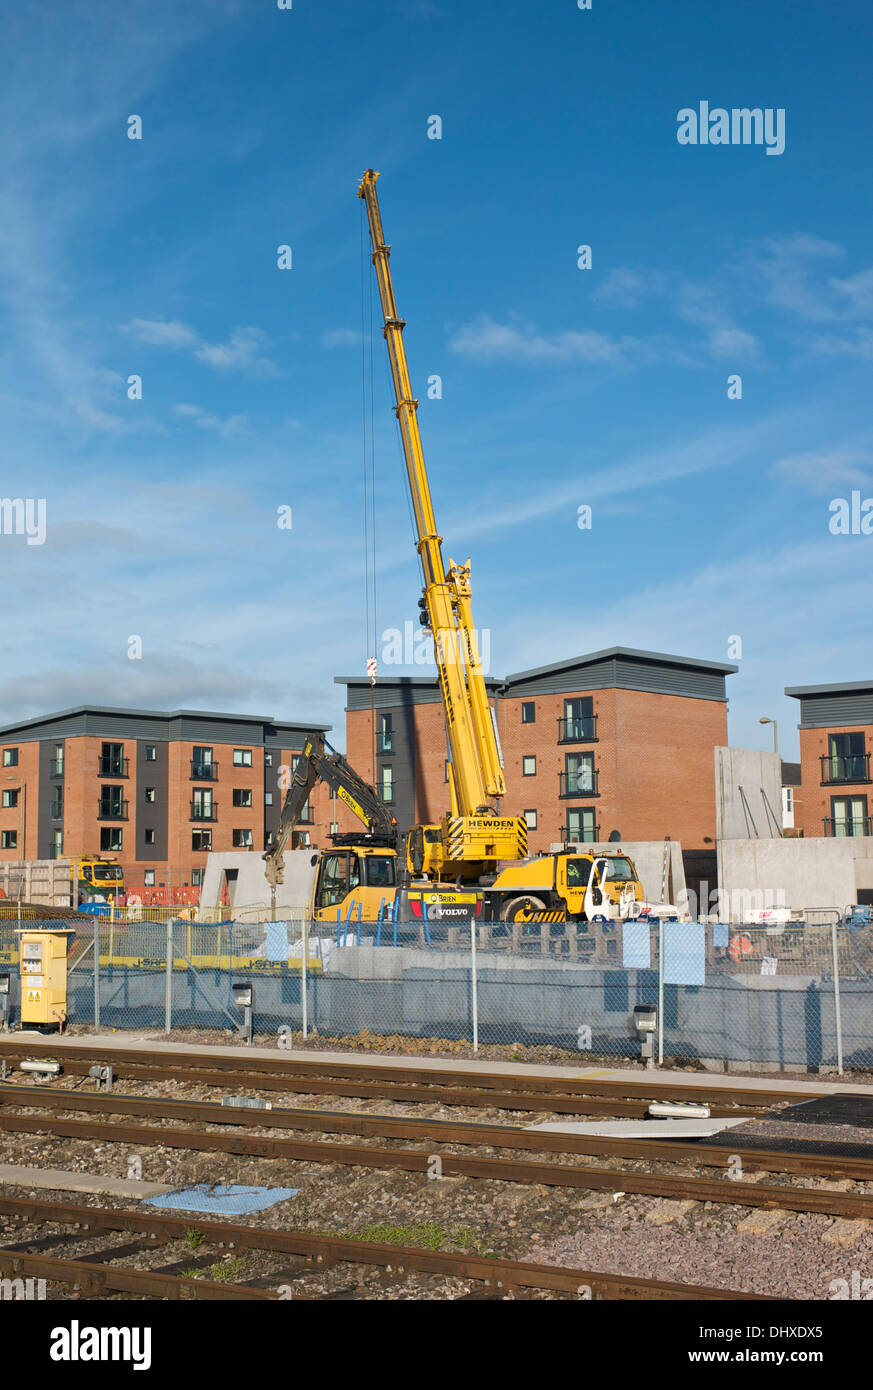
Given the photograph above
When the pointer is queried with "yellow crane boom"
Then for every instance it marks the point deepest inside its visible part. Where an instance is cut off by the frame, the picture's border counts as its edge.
(470, 840)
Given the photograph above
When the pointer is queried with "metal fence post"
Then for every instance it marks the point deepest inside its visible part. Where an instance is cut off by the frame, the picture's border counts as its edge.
(660, 991)
(838, 1014)
(474, 982)
(96, 972)
(168, 983)
(304, 979)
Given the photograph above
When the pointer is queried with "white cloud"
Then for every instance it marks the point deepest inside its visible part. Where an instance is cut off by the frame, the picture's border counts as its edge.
(340, 337)
(161, 333)
(488, 341)
(240, 353)
(229, 425)
(822, 471)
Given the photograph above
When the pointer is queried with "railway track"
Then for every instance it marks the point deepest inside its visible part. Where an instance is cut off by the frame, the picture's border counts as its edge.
(573, 1095)
(234, 1132)
(305, 1259)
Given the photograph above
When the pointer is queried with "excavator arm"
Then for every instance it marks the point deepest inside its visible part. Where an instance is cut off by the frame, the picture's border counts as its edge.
(320, 763)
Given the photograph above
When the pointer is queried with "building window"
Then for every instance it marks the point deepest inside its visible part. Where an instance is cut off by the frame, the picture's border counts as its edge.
(846, 760)
(196, 878)
(579, 776)
(10, 798)
(448, 765)
(56, 807)
(149, 837)
(57, 844)
(386, 788)
(57, 763)
(113, 763)
(201, 764)
(303, 839)
(201, 804)
(386, 734)
(201, 841)
(530, 820)
(151, 753)
(242, 796)
(529, 767)
(8, 839)
(148, 878)
(528, 712)
(10, 757)
(579, 721)
(581, 824)
(150, 794)
(848, 816)
(268, 760)
(306, 812)
(242, 757)
(268, 798)
(111, 838)
(243, 839)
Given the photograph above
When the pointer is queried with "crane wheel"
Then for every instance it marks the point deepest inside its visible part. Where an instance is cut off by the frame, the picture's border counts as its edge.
(521, 909)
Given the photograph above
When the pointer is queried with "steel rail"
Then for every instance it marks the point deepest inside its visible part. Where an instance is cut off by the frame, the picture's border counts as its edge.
(733, 1193)
(572, 1084)
(499, 1273)
(93, 1279)
(509, 1137)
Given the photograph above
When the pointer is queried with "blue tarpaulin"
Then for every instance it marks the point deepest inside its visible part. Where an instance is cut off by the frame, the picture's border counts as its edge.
(227, 1201)
(684, 953)
(720, 935)
(277, 941)
(636, 946)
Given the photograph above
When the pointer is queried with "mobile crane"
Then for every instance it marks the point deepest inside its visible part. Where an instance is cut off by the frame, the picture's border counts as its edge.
(362, 867)
(466, 845)
(468, 842)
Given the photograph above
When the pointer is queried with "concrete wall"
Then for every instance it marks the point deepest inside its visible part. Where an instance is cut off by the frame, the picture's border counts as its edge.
(748, 794)
(251, 887)
(815, 873)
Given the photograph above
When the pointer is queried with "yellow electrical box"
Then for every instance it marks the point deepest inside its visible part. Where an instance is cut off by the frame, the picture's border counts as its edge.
(42, 957)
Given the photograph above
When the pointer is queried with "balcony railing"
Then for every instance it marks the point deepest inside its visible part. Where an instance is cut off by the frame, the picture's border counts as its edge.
(203, 772)
(854, 767)
(112, 810)
(56, 769)
(204, 810)
(585, 782)
(583, 730)
(573, 834)
(56, 810)
(112, 767)
(858, 825)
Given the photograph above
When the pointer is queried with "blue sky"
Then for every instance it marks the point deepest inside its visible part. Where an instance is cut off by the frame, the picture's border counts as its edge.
(561, 387)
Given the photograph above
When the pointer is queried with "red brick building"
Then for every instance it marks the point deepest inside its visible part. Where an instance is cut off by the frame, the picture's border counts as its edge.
(154, 791)
(836, 737)
(620, 740)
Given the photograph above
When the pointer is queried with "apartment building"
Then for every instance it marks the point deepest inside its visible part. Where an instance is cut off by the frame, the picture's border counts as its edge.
(616, 741)
(836, 736)
(153, 790)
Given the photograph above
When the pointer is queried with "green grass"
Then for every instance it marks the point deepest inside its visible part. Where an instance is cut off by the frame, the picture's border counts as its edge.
(425, 1235)
(194, 1238)
(224, 1271)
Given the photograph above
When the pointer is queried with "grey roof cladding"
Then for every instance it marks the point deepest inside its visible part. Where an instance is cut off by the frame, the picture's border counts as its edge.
(613, 668)
(829, 706)
(190, 725)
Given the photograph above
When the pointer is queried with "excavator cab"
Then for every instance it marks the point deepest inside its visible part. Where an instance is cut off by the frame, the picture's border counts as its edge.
(350, 878)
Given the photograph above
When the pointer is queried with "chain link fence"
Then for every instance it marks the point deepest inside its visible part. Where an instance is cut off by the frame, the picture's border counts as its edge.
(797, 994)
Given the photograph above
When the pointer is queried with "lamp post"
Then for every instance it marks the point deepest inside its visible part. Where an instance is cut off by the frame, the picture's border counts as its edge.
(765, 720)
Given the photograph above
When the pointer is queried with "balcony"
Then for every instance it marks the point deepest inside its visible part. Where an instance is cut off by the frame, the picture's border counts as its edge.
(578, 730)
(854, 768)
(112, 810)
(204, 772)
(112, 767)
(573, 834)
(204, 811)
(585, 782)
(859, 825)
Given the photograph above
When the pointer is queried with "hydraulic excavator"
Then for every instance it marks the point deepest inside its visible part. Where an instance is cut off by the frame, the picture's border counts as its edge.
(360, 872)
(473, 836)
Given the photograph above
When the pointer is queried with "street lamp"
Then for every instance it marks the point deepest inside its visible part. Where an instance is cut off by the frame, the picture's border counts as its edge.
(765, 720)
